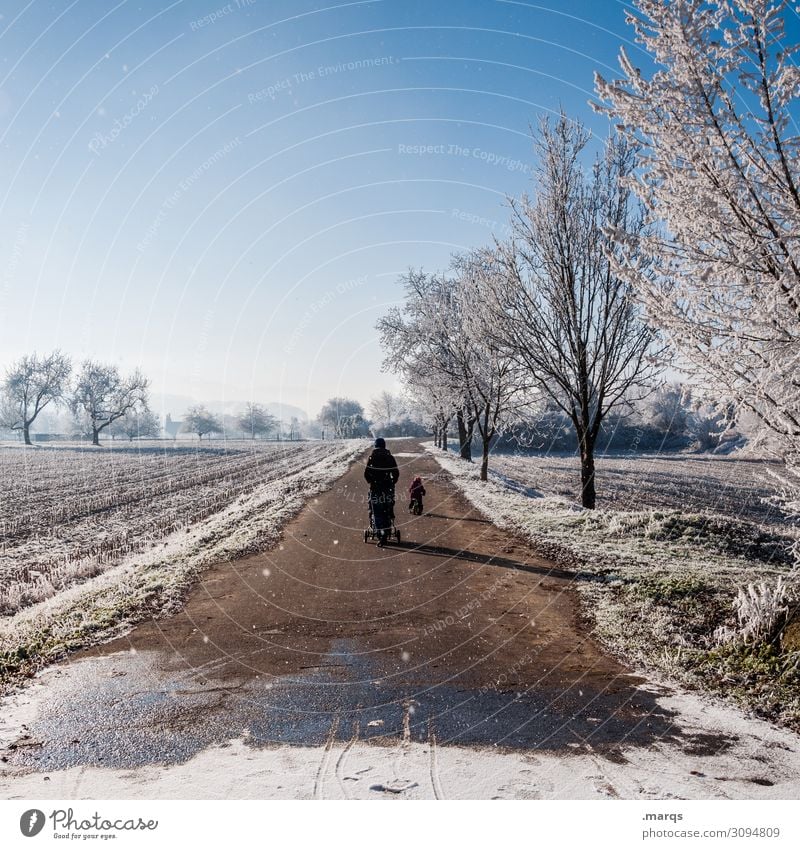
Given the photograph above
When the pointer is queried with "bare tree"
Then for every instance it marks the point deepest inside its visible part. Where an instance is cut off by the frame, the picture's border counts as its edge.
(199, 420)
(557, 304)
(256, 421)
(720, 167)
(102, 395)
(29, 386)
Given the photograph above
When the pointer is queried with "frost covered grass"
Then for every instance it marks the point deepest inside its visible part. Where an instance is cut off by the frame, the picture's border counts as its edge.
(224, 503)
(721, 486)
(664, 582)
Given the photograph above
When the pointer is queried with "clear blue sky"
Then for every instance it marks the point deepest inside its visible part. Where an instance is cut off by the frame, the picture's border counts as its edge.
(225, 194)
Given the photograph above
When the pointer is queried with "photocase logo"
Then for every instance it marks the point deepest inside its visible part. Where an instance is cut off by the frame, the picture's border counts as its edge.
(31, 822)
(64, 821)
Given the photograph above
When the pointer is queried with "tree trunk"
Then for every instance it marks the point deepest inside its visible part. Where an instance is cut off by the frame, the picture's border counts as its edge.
(485, 458)
(95, 436)
(467, 452)
(26, 433)
(444, 434)
(588, 495)
(464, 437)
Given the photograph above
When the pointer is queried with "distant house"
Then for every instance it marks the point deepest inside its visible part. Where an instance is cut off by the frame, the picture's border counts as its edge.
(172, 428)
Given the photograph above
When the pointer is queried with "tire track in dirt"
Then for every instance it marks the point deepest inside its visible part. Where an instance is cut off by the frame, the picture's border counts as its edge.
(434, 764)
(340, 761)
(319, 781)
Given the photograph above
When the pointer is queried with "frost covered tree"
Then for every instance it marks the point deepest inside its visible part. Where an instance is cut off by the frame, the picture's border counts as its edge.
(138, 423)
(431, 340)
(431, 398)
(556, 303)
(415, 347)
(496, 389)
(256, 421)
(101, 395)
(29, 386)
(200, 420)
(668, 409)
(344, 417)
(396, 415)
(385, 409)
(719, 171)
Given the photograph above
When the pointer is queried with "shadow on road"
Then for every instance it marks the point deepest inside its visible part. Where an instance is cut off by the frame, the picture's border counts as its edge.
(489, 560)
(459, 518)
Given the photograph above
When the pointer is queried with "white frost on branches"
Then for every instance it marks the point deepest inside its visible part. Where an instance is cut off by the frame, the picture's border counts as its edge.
(444, 357)
(719, 173)
(555, 302)
(719, 170)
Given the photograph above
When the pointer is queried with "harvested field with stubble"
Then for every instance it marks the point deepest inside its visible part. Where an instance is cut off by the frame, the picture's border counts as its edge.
(688, 511)
(91, 539)
(740, 488)
(70, 513)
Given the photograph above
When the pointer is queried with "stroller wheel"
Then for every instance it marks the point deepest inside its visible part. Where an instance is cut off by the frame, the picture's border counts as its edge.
(366, 536)
(397, 535)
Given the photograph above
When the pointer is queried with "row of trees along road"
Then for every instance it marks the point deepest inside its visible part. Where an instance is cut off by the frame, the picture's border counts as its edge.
(99, 395)
(543, 316)
(104, 401)
(693, 213)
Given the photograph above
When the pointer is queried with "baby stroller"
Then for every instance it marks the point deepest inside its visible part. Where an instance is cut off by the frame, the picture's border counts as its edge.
(381, 518)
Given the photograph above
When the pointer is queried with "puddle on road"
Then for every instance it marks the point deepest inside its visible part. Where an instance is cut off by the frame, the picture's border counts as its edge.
(123, 711)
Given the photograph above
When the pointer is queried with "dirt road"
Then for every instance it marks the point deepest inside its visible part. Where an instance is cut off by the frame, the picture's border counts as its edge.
(458, 648)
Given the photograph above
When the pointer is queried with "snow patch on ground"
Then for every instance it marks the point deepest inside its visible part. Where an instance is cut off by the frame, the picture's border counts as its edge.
(757, 762)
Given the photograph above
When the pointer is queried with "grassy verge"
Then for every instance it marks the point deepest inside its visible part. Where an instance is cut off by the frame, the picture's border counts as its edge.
(656, 585)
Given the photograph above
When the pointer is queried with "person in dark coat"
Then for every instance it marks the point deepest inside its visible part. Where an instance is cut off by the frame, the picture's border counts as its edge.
(381, 473)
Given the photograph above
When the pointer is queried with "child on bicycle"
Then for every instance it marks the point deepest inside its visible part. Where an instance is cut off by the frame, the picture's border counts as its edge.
(416, 491)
